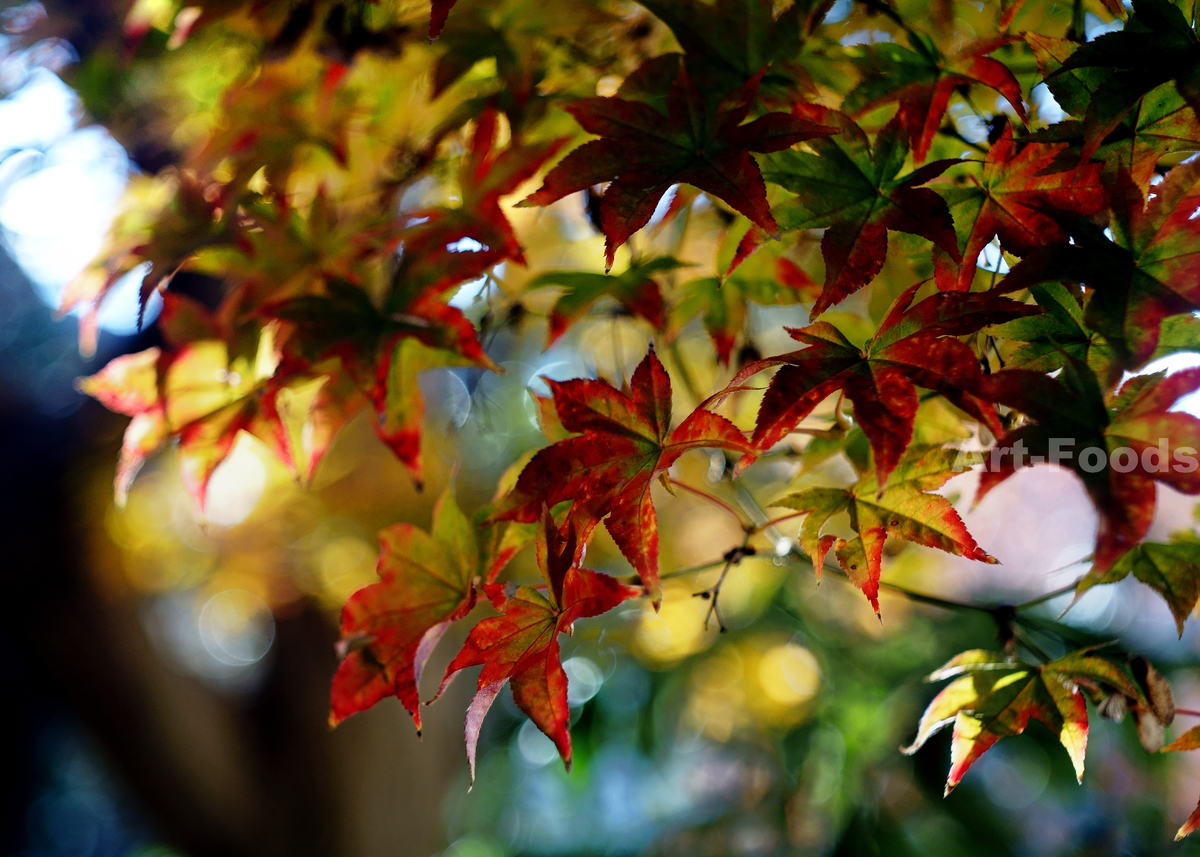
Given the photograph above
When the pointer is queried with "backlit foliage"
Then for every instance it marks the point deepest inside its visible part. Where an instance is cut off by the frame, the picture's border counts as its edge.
(634, 184)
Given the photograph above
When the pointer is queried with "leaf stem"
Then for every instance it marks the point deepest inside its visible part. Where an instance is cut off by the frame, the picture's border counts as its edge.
(775, 521)
(1049, 596)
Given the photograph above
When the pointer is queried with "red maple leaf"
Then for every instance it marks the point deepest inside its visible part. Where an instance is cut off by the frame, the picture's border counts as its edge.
(623, 442)
(380, 351)
(203, 390)
(439, 11)
(1016, 199)
(1138, 418)
(389, 628)
(913, 346)
(521, 645)
(643, 153)
(1146, 271)
(448, 246)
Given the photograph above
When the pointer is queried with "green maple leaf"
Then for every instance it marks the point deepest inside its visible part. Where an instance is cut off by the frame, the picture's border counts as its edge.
(994, 696)
(854, 191)
(1156, 45)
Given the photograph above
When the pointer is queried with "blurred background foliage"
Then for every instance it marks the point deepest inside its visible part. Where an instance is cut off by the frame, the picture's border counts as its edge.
(167, 674)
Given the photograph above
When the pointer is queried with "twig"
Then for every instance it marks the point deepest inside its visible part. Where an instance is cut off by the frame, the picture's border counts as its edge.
(713, 593)
(692, 569)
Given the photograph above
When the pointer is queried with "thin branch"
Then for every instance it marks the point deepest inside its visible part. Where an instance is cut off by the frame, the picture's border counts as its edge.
(713, 593)
(710, 498)
(693, 569)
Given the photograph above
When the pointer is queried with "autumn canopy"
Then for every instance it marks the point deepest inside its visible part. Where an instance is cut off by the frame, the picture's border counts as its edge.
(860, 249)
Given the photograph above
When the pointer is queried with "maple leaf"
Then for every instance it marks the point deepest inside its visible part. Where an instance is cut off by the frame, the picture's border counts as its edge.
(623, 442)
(1156, 45)
(850, 188)
(922, 80)
(1159, 123)
(440, 10)
(521, 645)
(448, 246)
(643, 152)
(913, 346)
(993, 697)
(635, 290)
(1070, 415)
(382, 352)
(1061, 333)
(165, 221)
(1148, 271)
(390, 628)
(728, 42)
(129, 385)
(904, 509)
(1016, 199)
(1172, 570)
(202, 393)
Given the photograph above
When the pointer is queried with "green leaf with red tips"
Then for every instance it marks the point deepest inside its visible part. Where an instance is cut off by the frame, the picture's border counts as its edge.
(622, 441)
(1156, 45)
(1016, 199)
(904, 509)
(854, 191)
(1148, 271)
(389, 628)
(635, 290)
(1172, 570)
(993, 697)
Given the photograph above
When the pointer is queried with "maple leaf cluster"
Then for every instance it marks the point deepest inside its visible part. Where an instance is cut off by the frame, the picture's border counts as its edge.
(1021, 278)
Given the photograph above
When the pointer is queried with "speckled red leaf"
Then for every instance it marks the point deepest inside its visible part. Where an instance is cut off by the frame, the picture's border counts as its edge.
(643, 153)
(623, 442)
(520, 647)
(390, 628)
(914, 345)
(1138, 417)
